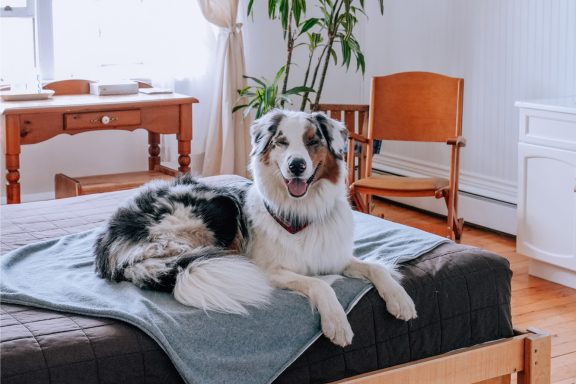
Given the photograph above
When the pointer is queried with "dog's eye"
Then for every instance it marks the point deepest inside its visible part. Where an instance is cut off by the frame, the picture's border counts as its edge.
(281, 142)
(313, 143)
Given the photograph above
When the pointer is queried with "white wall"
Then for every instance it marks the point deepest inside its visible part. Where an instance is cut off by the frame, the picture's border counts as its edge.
(265, 53)
(506, 50)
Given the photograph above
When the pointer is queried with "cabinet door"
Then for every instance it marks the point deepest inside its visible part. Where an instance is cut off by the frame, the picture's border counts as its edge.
(547, 205)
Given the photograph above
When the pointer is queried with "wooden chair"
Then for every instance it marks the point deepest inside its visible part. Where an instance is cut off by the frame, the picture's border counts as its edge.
(415, 106)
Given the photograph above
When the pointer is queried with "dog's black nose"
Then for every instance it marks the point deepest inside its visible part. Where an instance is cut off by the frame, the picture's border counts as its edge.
(297, 166)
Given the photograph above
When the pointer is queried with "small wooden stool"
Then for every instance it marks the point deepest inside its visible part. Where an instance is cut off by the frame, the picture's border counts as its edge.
(67, 186)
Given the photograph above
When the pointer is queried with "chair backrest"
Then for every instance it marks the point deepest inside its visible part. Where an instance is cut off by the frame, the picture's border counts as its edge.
(77, 87)
(416, 106)
(69, 87)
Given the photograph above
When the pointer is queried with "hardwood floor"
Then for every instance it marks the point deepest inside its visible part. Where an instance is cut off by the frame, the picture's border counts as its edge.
(535, 302)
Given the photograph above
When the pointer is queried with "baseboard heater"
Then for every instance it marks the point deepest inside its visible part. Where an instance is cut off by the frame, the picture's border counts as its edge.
(476, 209)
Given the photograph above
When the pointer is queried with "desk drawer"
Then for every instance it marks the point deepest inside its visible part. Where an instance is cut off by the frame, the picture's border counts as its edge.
(96, 120)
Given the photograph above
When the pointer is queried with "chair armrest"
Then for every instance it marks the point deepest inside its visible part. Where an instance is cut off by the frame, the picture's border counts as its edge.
(458, 141)
(357, 137)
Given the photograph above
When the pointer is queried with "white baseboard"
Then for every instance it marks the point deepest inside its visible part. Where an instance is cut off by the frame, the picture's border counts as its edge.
(552, 273)
(28, 197)
(474, 209)
(471, 182)
(483, 201)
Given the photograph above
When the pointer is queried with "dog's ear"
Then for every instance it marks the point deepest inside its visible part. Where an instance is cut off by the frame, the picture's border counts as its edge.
(263, 130)
(333, 131)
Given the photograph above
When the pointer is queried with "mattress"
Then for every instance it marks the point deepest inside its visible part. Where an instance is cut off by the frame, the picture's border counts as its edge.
(462, 295)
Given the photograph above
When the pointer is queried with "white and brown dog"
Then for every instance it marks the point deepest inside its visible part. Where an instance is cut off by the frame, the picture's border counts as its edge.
(222, 248)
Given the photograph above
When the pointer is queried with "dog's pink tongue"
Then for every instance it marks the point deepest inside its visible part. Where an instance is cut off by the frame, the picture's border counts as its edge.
(297, 187)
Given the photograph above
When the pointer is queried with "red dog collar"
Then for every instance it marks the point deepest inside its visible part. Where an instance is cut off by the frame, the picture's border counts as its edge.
(292, 227)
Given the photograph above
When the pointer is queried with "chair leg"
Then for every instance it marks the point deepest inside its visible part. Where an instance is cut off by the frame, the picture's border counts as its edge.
(357, 200)
(455, 223)
(369, 204)
(449, 217)
(458, 228)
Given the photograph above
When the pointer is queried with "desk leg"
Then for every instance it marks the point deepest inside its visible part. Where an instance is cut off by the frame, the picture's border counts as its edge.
(12, 177)
(12, 157)
(184, 158)
(184, 138)
(153, 151)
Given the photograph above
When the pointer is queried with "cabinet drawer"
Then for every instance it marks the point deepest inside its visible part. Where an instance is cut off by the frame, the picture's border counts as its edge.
(553, 129)
(105, 119)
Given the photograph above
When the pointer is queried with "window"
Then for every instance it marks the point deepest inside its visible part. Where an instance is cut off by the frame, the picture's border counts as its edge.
(18, 41)
(109, 43)
(102, 39)
(9, 5)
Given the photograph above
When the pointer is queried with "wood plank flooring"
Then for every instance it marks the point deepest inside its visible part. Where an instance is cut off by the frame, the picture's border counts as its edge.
(535, 302)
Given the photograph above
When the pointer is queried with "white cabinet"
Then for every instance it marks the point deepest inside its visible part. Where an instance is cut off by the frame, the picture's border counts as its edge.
(547, 188)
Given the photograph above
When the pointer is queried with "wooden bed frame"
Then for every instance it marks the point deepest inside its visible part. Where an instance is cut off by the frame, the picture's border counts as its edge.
(527, 354)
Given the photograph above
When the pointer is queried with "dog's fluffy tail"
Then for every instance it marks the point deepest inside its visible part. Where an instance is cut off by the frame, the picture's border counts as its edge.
(208, 278)
(222, 284)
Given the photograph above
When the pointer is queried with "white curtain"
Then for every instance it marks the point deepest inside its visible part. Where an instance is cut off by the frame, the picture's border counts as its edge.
(227, 142)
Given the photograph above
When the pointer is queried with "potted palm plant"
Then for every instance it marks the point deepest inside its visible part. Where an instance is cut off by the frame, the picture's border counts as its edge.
(333, 28)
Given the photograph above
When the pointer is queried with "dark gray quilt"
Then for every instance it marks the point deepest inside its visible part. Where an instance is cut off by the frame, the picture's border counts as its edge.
(462, 295)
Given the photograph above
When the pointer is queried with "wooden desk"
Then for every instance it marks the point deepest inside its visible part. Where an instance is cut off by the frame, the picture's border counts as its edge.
(30, 122)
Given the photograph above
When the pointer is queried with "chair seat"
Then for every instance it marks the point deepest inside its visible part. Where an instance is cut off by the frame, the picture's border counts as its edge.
(401, 183)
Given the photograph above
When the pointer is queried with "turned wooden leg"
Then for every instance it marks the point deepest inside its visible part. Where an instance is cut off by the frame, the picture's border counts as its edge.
(184, 156)
(12, 178)
(184, 137)
(153, 151)
(12, 157)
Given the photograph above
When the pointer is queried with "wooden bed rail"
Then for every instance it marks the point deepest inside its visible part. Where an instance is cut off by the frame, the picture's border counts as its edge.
(527, 354)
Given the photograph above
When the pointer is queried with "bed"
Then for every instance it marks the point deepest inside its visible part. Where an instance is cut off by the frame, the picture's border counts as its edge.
(463, 333)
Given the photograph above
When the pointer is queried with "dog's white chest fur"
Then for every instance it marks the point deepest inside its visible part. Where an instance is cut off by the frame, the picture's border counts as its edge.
(323, 247)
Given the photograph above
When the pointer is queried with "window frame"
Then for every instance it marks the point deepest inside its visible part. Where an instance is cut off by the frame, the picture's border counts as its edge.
(40, 11)
(27, 11)
(44, 39)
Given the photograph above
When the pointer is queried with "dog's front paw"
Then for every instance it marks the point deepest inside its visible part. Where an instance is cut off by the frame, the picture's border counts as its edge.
(400, 305)
(337, 329)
